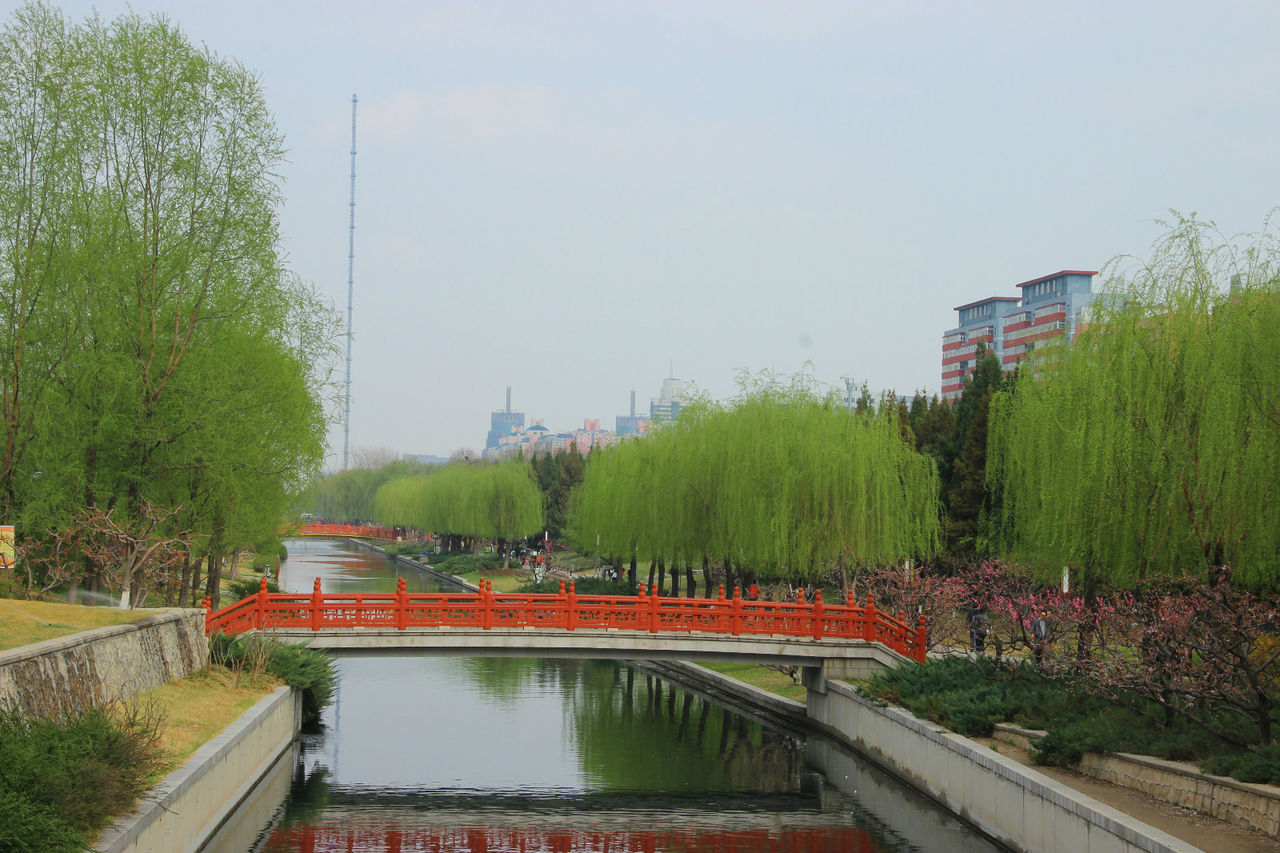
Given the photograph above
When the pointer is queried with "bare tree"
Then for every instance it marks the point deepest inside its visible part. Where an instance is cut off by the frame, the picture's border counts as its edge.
(373, 458)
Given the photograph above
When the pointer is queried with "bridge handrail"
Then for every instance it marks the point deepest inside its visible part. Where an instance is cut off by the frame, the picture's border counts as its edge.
(568, 610)
(359, 531)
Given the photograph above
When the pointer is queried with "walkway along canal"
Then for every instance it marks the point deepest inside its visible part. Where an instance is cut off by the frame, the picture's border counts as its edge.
(533, 754)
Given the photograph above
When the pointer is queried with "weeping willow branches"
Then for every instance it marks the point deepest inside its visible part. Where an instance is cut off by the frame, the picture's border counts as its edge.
(497, 502)
(1152, 444)
(782, 481)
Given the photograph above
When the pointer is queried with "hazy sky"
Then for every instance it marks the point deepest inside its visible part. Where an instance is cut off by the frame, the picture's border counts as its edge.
(569, 197)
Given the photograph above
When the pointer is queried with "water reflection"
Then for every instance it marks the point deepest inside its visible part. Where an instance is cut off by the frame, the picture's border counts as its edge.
(498, 754)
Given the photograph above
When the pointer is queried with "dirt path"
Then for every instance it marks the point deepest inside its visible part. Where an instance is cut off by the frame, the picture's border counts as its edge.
(1208, 833)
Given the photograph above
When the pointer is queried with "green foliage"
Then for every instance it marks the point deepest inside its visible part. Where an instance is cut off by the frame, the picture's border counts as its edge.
(489, 501)
(783, 481)
(463, 563)
(157, 352)
(29, 826)
(1151, 444)
(1261, 765)
(970, 697)
(582, 586)
(407, 549)
(240, 588)
(61, 780)
(308, 670)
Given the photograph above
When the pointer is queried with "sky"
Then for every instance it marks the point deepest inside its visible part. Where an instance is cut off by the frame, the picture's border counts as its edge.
(578, 199)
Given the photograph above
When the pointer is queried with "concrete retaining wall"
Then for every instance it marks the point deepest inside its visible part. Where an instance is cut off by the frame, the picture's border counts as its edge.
(1013, 804)
(1241, 803)
(104, 665)
(193, 802)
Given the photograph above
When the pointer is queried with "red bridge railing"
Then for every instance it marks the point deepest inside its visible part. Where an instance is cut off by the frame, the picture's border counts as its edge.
(359, 531)
(310, 838)
(566, 610)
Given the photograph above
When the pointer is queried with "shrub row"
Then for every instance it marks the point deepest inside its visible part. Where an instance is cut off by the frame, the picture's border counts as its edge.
(970, 697)
(63, 779)
(308, 670)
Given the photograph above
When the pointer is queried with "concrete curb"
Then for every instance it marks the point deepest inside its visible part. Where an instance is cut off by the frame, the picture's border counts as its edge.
(194, 801)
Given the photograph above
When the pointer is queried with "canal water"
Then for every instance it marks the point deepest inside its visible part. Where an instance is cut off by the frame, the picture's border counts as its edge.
(424, 753)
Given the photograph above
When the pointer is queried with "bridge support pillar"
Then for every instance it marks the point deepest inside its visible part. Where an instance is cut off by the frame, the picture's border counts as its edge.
(814, 678)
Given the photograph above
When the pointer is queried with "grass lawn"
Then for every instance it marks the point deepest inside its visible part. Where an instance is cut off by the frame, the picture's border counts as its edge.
(198, 707)
(25, 622)
(759, 676)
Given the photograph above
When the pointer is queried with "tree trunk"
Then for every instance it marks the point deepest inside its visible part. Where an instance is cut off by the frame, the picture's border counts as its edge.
(195, 583)
(185, 583)
(675, 579)
(662, 575)
(690, 585)
(632, 573)
(706, 576)
(653, 565)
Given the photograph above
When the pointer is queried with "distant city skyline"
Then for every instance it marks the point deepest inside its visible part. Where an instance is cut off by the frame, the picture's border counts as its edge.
(564, 197)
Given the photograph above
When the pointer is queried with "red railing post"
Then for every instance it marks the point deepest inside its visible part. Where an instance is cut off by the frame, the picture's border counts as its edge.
(260, 605)
(207, 606)
(654, 621)
(817, 615)
(316, 601)
(486, 604)
(735, 612)
(921, 638)
(571, 600)
(402, 604)
(904, 632)
(869, 619)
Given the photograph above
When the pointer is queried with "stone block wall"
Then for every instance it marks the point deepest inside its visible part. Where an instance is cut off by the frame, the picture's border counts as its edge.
(1242, 803)
(103, 665)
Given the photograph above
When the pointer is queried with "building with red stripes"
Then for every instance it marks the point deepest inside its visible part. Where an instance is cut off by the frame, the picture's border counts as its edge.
(1012, 326)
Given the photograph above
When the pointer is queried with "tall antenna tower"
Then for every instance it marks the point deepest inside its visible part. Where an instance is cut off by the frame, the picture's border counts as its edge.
(351, 268)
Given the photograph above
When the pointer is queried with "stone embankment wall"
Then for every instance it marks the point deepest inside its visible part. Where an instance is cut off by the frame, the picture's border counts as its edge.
(195, 801)
(1241, 803)
(1019, 807)
(104, 665)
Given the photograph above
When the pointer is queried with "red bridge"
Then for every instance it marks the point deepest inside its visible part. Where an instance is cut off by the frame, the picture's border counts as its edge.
(351, 531)
(640, 626)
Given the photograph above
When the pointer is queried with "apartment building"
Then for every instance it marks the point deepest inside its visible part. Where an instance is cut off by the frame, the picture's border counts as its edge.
(1012, 326)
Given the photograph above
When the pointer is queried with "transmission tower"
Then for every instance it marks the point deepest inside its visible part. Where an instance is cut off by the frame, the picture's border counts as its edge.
(351, 268)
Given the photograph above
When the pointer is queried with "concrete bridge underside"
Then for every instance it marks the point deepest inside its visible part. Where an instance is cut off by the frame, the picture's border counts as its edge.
(829, 657)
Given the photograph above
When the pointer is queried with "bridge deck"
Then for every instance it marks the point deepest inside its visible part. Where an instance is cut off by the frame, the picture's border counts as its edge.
(609, 644)
(633, 626)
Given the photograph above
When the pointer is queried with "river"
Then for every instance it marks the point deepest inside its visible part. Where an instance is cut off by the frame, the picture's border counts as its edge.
(424, 753)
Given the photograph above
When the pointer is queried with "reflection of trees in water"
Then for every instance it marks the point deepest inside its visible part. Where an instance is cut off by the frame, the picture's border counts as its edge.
(636, 731)
(505, 680)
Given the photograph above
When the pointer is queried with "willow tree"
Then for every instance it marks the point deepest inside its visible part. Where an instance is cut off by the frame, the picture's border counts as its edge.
(499, 502)
(1151, 445)
(781, 482)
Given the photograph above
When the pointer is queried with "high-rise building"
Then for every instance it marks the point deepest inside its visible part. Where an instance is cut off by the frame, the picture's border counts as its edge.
(667, 407)
(503, 423)
(1012, 326)
(631, 424)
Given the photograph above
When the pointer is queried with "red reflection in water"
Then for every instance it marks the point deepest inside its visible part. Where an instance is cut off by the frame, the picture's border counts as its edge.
(331, 839)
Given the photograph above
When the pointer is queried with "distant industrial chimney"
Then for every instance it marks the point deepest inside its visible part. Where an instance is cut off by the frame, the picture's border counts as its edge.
(508, 398)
